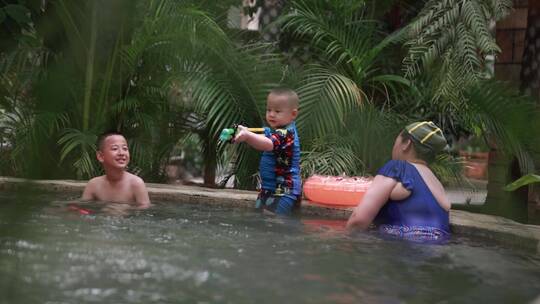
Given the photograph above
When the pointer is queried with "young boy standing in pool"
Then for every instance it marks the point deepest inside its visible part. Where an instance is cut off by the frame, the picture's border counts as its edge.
(279, 168)
(117, 185)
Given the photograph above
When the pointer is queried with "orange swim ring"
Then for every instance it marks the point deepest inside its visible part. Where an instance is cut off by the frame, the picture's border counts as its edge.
(337, 191)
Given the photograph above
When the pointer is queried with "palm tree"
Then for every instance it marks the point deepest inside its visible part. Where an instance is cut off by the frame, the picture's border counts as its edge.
(451, 41)
(20, 67)
(230, 86)
(123, 75)
(344, 87)
(508, 120)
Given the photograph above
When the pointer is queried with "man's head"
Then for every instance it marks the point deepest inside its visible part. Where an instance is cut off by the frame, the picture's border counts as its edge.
(281, 107)
(112, 150)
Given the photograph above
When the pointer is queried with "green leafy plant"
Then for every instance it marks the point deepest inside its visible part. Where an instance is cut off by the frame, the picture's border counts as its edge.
(506, 117)
(449, 45)
(454, 38)
(523, 181)
(342, 83)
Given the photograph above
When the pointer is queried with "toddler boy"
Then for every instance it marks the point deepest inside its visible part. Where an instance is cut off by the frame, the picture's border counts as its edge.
(281, 184)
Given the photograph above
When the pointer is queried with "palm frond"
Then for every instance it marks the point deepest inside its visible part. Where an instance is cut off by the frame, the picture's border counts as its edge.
(329, 157)
(173, 29)
(507, 117)
(327, 96)
(80, 145)
(461, 27)
(231, 88)
(338, 34)
(448, 169)
(372, 132)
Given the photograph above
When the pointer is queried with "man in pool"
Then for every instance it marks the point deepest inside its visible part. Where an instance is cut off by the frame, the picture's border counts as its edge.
(117, 185)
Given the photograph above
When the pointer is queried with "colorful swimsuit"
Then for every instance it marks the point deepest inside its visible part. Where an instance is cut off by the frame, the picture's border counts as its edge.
(281, 184)
(419, 217)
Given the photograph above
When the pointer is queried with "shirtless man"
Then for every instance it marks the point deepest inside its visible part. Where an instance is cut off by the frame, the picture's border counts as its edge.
(117, 185)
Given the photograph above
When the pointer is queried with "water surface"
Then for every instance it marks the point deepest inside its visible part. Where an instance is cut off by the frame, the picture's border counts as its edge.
(50, 253)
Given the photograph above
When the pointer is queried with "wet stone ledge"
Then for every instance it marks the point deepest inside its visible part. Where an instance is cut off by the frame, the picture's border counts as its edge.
(494, 228)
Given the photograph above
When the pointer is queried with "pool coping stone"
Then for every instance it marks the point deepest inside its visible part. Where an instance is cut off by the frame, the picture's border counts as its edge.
(495, 228)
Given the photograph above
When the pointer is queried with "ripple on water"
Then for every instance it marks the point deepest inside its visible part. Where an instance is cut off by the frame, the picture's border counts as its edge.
(181, 253)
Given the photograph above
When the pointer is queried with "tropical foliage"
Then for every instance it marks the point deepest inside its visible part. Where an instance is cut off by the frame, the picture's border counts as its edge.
(164, 72)
(454, 37)
(449, 52)
(450, 55)
(344, 88)
(523, 181)
(144, 78)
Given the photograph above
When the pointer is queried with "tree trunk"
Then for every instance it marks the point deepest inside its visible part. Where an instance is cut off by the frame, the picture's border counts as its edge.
(210, 172)
(530, 84)
(502, 170)
(530, 65)
(210, 162)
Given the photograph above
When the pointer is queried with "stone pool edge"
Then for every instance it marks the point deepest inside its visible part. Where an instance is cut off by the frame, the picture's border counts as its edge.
(462, 222)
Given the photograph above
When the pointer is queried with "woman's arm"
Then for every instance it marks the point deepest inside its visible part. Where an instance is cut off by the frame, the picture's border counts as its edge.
(376, 196)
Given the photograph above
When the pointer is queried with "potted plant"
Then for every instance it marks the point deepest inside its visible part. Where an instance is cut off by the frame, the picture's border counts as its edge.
(474, 153)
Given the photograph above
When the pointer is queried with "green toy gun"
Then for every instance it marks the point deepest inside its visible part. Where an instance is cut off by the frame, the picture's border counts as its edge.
(227, 135)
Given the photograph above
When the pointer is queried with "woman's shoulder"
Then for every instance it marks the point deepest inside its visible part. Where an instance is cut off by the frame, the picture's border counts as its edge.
(399, 162)
(400, 171)
(395, 166)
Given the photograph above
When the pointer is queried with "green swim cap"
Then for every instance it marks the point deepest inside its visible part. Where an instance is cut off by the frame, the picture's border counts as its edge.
(427, 134)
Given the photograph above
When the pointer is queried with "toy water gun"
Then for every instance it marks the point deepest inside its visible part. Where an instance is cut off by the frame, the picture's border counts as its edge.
(227, 135)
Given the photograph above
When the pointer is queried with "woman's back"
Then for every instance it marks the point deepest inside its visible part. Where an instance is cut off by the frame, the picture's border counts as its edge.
(434, 185)
(419, 214)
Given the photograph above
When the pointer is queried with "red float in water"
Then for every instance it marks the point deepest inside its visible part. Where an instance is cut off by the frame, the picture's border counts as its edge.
(337, 191)
(83, 211)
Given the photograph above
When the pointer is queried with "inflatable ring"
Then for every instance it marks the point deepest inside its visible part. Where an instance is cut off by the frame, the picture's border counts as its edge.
(337, 191)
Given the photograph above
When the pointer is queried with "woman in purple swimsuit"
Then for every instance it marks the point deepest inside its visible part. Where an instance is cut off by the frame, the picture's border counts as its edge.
(406, 200)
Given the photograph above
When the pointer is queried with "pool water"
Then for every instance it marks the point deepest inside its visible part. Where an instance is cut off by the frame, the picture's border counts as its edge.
(52, 253)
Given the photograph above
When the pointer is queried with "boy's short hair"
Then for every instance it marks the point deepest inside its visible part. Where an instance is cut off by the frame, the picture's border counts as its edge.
(291, 95)
(101, 138)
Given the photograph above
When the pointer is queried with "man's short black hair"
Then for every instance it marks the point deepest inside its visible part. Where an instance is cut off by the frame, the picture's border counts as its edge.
(101, 138)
